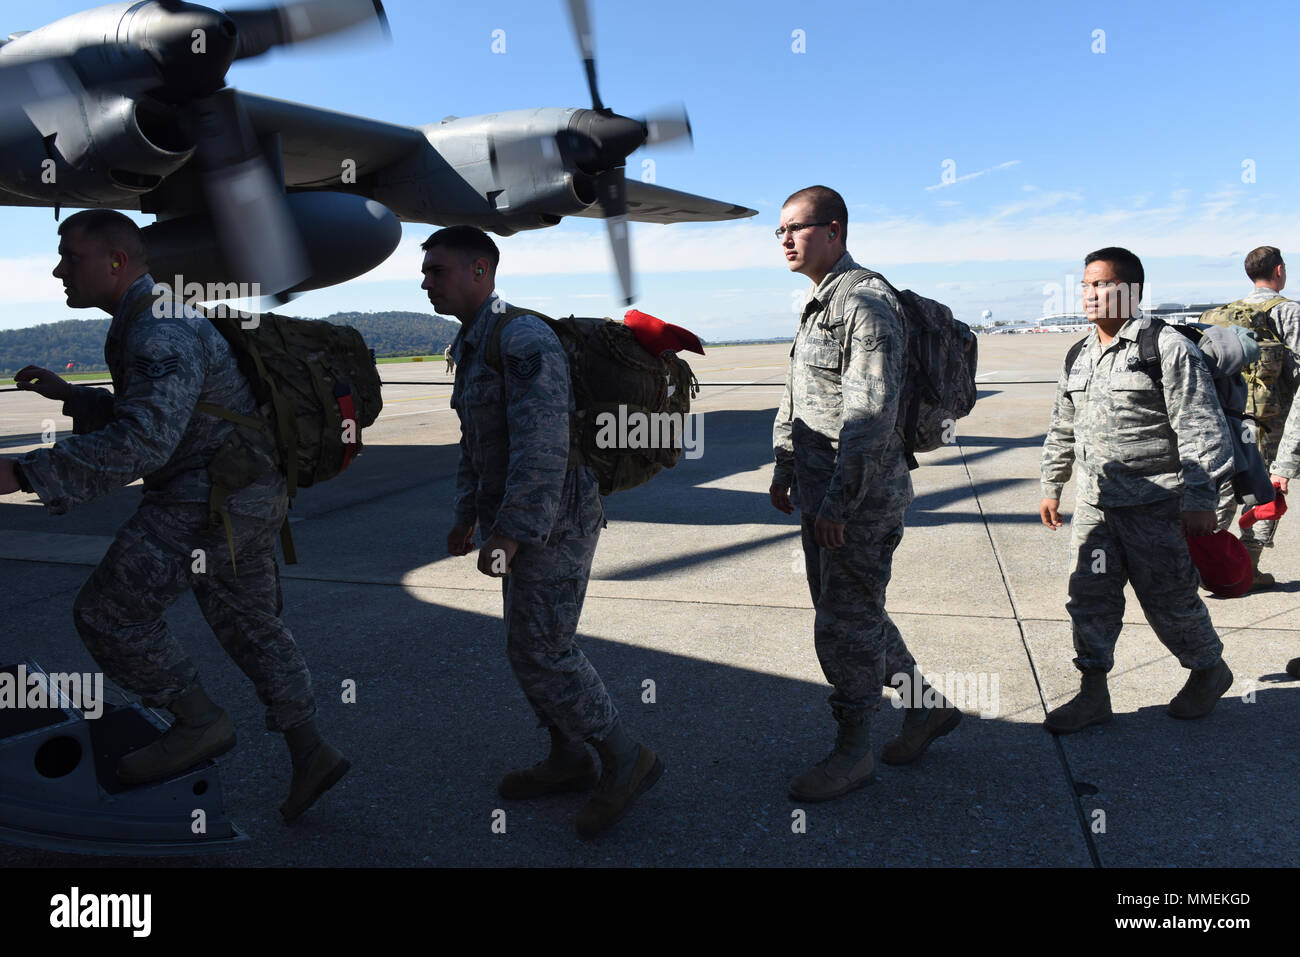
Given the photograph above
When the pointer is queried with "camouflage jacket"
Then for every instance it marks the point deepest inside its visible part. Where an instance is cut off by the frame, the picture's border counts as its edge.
(1287, 463)
(834, 437)
(1136, 440)
(513, 477)
(162, 366)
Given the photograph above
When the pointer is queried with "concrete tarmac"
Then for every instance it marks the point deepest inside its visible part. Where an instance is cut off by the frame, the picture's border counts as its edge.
(699, 620)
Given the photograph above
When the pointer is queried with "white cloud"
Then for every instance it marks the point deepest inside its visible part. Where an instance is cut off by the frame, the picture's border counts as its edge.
(1034, 226)
(971, 176)
(28, 279)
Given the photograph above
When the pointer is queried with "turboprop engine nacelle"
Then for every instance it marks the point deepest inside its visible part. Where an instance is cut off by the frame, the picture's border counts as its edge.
(344, 237)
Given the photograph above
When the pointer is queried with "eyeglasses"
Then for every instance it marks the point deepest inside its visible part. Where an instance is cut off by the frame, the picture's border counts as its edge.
(795, 227)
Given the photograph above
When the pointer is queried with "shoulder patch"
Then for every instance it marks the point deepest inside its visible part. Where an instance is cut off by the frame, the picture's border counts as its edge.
(156, 368)
(525, 368)
(870, 343)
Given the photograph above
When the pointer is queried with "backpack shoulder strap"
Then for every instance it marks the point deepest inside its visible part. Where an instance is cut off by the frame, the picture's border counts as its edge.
(1265, 308)
(143, 304)
(492, 349)
(1149, 347)
(1074, 354)
(853, 280)
(848, 283)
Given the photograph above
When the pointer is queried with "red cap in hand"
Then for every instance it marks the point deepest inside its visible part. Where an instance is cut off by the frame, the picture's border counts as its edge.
(1268, 512)
(1223, 562)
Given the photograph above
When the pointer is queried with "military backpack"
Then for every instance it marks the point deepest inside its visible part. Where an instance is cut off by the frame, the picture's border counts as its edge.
(317, 387)
(615, 379)
(1262, 377)
(939, 385)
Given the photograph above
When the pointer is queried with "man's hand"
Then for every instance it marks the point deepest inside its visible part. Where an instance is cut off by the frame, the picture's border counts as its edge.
(780, 496)
(1200, 523)
(1047, 511)
(43, 382)
(460, 540)
(495, 556)
(828, 534)
(8, 481)
(1279, 481)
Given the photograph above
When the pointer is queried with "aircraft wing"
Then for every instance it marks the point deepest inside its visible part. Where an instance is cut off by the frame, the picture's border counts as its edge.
(648, 203)
(316, 142)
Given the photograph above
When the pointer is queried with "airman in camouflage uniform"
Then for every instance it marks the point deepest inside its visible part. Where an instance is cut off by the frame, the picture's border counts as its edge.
(837, 447)
(165, 359)
(1280, 347)
(1151, 456)
(541, 519)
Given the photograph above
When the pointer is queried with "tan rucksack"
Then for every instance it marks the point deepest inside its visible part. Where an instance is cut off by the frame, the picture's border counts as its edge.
(1263, 402)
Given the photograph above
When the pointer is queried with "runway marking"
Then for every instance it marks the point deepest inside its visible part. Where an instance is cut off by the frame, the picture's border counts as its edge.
(398, 415)
(418, 398)
(983, 374)
(779, 365)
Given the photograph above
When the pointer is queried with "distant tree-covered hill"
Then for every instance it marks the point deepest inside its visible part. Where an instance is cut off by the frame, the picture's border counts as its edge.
(54, 345)
(81, 341)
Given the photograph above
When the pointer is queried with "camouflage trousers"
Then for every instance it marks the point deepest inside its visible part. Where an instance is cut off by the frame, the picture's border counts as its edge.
(858, 645)
(1261, 533)
(543, 601)
(1143, 544)
(151, 563)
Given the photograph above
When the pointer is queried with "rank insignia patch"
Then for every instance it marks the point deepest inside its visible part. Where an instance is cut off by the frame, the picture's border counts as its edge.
(156, 368)
(526, 367)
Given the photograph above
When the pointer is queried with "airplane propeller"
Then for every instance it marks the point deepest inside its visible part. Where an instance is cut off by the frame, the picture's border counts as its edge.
(262, 29)
(243, 189)
(599, 141)
(245, 195)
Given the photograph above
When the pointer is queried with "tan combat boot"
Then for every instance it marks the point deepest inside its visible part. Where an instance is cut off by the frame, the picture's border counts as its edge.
(847, 767)
(569, 767)
(1263, 580)
(920, 727)
(627, 770)
(201, 731)
(1090, 706)
(1204, 688)
(317, 767)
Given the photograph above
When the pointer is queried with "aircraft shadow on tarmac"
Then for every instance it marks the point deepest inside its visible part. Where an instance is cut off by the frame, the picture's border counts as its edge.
(438, 718)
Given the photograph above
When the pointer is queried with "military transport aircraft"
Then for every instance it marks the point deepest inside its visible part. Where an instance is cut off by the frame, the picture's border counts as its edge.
(126, 106)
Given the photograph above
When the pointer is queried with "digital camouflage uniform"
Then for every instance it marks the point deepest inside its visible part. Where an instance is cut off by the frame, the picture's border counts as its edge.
(1285, 321)
(163, 366)
(1146, 452)
(1287, 462)
(837, 446)
(514, 479)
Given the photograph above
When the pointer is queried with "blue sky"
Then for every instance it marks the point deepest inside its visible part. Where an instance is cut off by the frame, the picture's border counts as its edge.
(1053, 149)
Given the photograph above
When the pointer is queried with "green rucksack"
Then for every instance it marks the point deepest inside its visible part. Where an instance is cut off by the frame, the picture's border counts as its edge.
(317, 387)
(1264, 401)
(613, 376)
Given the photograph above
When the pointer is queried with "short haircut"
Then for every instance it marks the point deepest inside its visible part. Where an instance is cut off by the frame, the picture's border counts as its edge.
(1261, 262)
(827, 205)
(1128, 268)
(112, 229)
(468, 240)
